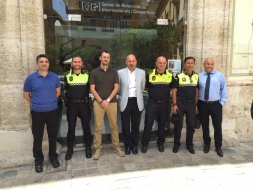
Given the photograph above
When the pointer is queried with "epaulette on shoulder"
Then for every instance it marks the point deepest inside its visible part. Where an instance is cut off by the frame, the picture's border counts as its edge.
(150, 71)
(169, 71)
(86, 71)
(193, 72)
(67, 72)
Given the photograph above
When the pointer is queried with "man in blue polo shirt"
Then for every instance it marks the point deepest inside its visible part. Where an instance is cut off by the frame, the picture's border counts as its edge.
(41, 89)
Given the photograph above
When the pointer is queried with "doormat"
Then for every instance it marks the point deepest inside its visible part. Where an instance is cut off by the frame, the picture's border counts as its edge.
(62, 167)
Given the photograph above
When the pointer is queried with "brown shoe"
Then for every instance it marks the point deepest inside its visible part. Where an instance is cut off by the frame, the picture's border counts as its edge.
(97, 154)
(119, 152)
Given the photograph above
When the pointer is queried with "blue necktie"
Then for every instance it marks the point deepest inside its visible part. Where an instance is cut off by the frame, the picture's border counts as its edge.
(206, 97)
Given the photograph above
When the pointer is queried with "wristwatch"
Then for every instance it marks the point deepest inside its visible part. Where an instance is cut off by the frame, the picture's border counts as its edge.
(108, 100)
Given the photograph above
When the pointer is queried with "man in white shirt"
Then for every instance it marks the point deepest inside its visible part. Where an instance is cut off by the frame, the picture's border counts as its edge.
(131, 86)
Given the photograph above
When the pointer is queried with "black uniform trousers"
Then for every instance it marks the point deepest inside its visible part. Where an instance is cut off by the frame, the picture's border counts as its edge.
(82, 110)
(187, 107)
(215, 110)
(39, 119)
(153, 109)
(130, 131)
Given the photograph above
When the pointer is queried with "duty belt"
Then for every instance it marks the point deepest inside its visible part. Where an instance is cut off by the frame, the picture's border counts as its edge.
(210, 102)
(79, 101)
(185, 100)
(159, 101)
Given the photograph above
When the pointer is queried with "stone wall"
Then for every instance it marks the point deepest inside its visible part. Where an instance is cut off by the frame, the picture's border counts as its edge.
(209, 30)
(21, 40)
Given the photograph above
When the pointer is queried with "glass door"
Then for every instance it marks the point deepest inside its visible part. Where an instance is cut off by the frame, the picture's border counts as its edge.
(86, 28)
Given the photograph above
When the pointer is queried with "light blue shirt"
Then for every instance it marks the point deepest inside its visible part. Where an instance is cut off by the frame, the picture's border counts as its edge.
(218, 87)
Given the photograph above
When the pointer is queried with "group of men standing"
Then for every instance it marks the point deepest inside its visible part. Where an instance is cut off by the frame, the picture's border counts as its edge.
(205, 93)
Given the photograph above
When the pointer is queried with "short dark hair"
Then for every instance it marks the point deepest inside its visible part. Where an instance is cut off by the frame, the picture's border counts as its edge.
(186, 58)
(105, 51)
(77, 56)
(40, 56)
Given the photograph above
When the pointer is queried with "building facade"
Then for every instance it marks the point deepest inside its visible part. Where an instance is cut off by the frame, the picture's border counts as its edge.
(201, 29)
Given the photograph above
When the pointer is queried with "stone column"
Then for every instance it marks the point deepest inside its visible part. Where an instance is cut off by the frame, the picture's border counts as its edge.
(21, 40)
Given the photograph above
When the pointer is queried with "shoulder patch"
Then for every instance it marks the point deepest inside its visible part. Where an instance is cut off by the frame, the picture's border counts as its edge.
(87, 72)
(150, 71)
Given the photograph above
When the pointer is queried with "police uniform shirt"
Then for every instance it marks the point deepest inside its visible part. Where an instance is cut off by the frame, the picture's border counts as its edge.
(186, 85)
(159, 84)
(79, 89)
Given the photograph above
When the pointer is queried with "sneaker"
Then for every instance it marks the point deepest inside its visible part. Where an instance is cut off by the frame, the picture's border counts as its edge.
(119, 152)
(97, 154)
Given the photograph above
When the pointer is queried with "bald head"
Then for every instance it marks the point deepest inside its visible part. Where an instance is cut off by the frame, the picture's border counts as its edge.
(131, 62)
(209, 65)
(161, 64)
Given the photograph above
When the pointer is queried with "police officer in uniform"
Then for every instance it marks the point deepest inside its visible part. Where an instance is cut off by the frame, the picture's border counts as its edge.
(77, 92)
(185, 97)
(159, 82)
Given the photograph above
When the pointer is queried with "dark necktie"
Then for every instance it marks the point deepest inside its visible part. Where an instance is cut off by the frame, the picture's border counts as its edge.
(206, 97)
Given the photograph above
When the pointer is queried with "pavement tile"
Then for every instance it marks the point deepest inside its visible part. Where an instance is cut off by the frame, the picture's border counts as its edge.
(92, 171)
(126, 160)
(238, 157)
(78, 159)
(166, 163)
(149, 158)
(79, 173)
(154, 164)
(63, 175)
(248, 157)
(116, 161)
(35, 179)
(5, 183)
(23, 174)
(92, 164)
(238, 151)
(130, 166)
(177, 162)
(118, 168)
(103, 163)
(105, 169)
(188, 161)
(50, 177)
(139, 158)
(78, 166)
(142, 165)
(19, 182)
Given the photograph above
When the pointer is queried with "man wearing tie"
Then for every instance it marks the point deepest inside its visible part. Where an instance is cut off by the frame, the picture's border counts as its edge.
(212, 97)
(131, 86)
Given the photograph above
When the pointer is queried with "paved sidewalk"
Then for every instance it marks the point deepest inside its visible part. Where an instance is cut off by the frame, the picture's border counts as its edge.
(153, 170)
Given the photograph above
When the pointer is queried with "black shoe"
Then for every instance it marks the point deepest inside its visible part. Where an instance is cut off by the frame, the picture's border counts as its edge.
(144, 148)
(219, 152)
(128, 150)
(206, 148)
(55, 163)
(175, 149)
(191, 150)
(38, 168)
(134, 150)
(160, 148)
(69, 153)
(88, 152)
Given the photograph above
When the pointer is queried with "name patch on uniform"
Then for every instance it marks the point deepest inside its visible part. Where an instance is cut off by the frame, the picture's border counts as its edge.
(70, 78)
(184, 79)
(153, 77)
